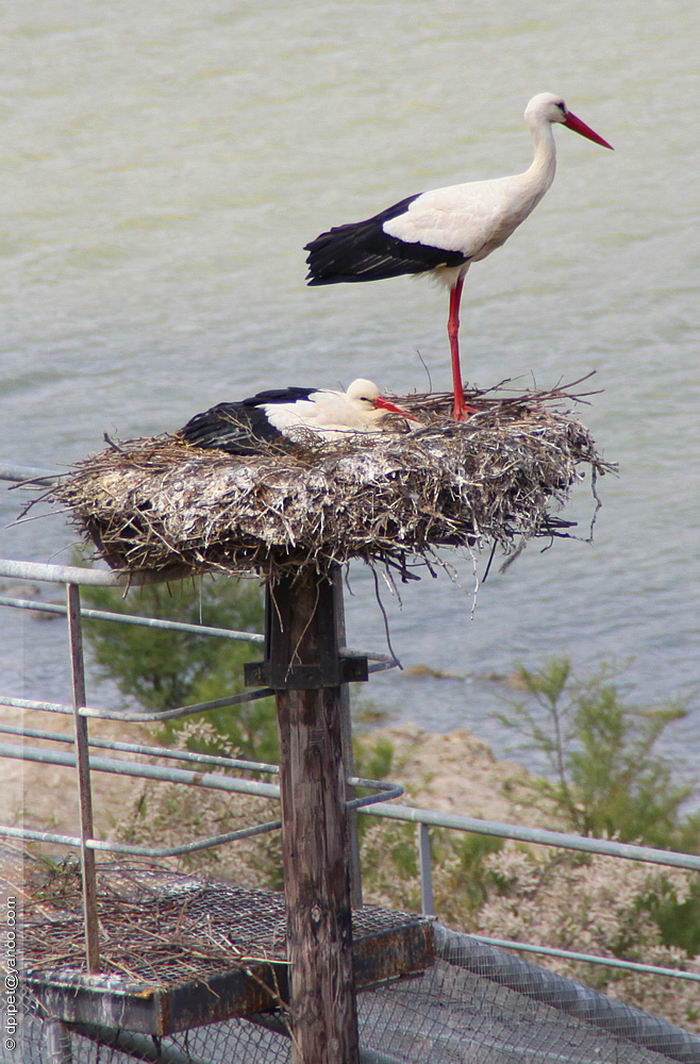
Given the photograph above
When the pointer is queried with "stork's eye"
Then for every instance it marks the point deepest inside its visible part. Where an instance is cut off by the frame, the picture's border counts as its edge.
(562, 107)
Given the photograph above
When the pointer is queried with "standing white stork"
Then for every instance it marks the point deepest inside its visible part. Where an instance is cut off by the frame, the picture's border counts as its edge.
(245, 427)
(443, 231)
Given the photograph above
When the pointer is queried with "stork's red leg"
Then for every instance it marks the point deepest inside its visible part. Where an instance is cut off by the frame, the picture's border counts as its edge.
(459, 408)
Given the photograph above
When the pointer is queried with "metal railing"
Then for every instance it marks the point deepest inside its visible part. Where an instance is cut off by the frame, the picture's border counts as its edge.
(427, 818)
(375, 805)
(72, 577)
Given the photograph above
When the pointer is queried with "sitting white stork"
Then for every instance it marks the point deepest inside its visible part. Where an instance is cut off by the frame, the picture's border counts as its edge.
(443, 231)
(247, 426)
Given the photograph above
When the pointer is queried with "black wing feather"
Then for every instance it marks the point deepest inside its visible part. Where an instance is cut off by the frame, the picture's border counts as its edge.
(278, 395)
(231, 427)
(243, 427)
(363, 251)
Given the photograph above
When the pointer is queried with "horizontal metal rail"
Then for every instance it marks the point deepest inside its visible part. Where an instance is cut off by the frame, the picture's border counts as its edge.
(542, 836)
(426, 818)
(137, 717)
(78, 574)
(386, 789)
(379, 662)
(135, 1046)
(588, 958)
(148, 751)
(143, 770)
(215, 781)
(132, 849)
(37, 606)
(28, 475)
(212, 780)
(143, 1047)
(573, 998)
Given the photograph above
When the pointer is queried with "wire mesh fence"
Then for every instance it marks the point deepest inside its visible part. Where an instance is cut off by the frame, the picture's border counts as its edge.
(459, 1011)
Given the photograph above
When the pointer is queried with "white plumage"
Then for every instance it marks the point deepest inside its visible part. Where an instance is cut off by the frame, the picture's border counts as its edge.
(360, 409)
(247, 426)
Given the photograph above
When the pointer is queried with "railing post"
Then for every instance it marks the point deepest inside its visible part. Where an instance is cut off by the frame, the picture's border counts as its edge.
(425, 862)
(82, 763)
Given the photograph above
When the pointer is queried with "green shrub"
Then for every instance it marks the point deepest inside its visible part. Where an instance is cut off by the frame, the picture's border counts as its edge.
(164, 669)
(607, 779)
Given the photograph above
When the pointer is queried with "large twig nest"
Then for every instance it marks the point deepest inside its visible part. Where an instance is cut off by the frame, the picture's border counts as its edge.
(157, 503)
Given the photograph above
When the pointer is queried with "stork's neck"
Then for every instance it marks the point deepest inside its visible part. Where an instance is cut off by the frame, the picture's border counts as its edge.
(541, 171)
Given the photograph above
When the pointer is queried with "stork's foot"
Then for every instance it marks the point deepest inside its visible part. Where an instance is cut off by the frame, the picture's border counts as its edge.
(461, 411)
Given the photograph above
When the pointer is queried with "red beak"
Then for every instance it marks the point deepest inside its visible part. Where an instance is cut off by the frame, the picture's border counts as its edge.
(572, 122)
(383, 404)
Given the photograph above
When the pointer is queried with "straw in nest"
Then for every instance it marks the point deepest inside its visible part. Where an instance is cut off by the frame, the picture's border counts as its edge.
(160, 503)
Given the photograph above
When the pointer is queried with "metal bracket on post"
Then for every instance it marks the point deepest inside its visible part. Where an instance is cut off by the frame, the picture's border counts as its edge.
(347, 668)
(277, 671)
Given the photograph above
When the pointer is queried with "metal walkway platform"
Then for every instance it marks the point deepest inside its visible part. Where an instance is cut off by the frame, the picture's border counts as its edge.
(181, 951)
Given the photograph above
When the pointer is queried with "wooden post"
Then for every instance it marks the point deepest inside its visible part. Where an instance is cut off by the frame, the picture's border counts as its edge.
(315, 838)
